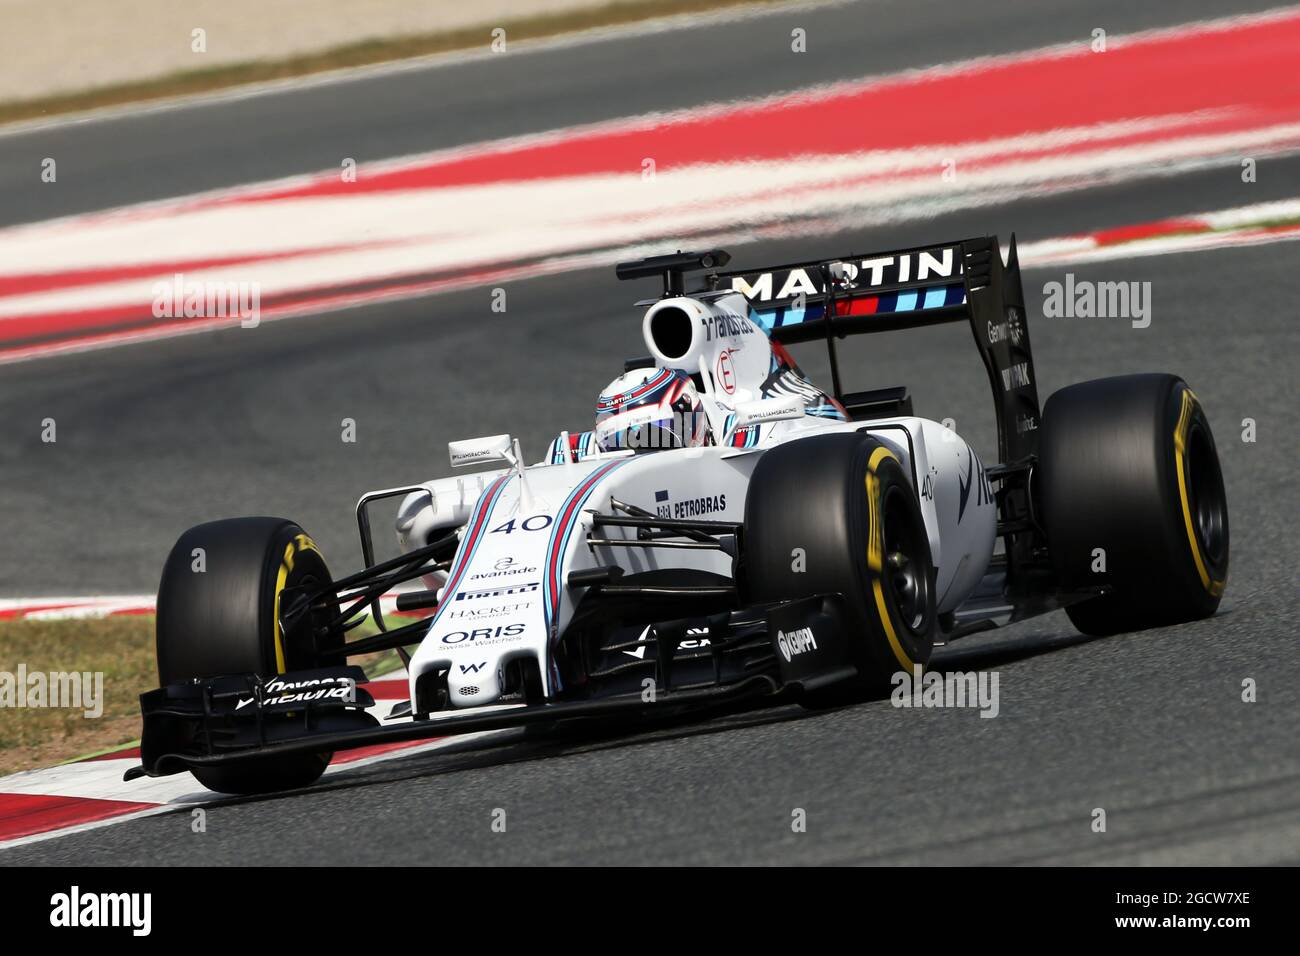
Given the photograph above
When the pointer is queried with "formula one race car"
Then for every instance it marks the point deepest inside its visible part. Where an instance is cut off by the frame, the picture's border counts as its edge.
(728, 531)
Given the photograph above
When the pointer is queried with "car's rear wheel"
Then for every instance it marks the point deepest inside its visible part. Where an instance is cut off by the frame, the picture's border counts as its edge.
(836, 513)
(1132, 500)
(218, 612)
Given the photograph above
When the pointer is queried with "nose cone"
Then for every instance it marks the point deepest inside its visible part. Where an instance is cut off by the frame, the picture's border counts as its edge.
(475, 654)
(469, 684)
(504, 586)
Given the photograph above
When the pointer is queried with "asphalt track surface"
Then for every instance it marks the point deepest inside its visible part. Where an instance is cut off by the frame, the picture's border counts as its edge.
(1149, 726)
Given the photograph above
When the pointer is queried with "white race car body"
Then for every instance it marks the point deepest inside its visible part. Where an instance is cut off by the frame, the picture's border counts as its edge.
(524, 531)
(807, 545)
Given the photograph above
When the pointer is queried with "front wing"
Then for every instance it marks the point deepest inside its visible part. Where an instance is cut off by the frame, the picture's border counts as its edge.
(221, 720)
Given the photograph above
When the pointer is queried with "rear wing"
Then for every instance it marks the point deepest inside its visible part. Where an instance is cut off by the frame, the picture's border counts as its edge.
(963, 281)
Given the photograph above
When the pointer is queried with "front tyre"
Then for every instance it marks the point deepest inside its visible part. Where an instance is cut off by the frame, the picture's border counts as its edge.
(1133, 500)
(218, 612)
(836, 513)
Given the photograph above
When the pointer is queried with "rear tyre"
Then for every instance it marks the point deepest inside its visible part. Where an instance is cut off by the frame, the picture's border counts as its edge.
(836, 513)
(218, 607)
(1133, 499)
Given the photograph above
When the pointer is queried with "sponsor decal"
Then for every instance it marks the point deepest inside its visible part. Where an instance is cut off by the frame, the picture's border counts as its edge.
(870, 273)
(503, 591)
(646, 389)
(691, 507)
(304, 691)
(484, 635)
(482, 612)
(503, 568)
(1012, 330)
(721, 323)
(642, 643)
(1015, 326)
(796, 642)
(690, 643)
(696, 643)
(725, 374)
(1017, 376)
(760, 415)
(470, 451)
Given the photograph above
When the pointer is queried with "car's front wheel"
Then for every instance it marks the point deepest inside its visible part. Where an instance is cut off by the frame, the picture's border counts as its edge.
(836, 513)
(218, 614)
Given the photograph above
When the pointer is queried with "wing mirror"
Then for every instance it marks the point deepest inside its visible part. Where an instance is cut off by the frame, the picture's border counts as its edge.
(476, 451)
(787, 408)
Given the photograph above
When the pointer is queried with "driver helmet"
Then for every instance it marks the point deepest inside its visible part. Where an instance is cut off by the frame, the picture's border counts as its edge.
(649, 409)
